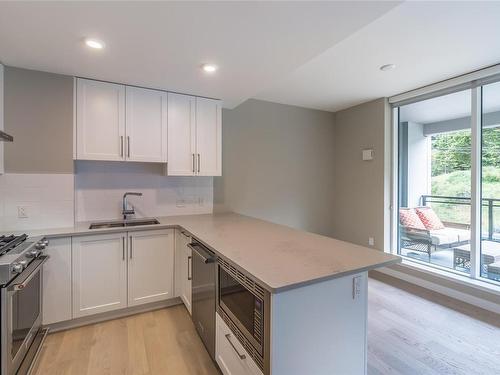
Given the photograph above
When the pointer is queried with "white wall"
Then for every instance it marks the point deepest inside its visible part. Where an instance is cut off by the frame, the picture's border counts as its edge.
(418, 164)
(99, 187)
(48, 199)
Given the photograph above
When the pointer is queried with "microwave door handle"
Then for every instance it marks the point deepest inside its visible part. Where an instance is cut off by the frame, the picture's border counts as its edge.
(24, 282)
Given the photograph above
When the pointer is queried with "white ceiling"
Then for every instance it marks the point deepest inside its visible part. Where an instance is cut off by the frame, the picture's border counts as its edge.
(162, 44)
(322, 55)
(428, 41)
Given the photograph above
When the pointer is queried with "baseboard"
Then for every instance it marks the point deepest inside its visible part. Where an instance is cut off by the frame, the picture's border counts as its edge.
(452, 293)
(110, 315)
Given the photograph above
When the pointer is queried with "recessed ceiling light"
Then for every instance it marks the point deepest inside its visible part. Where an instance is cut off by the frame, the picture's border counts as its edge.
(387, 67)
(94, 43)
(209, 68)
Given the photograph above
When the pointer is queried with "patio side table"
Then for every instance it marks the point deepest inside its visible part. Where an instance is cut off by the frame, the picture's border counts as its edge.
(490, 254)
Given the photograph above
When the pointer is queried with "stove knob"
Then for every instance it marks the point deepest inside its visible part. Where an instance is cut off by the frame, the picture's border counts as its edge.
(40, 246)
(23, 263)
(32, 254)
(17, 268)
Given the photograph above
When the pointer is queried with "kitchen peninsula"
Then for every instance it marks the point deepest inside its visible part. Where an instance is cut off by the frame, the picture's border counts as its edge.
(316, 321)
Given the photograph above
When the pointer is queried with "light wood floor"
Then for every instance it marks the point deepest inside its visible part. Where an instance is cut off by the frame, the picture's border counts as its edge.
(407, 335)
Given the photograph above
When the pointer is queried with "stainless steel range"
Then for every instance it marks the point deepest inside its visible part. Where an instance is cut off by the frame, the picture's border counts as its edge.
(21, 333)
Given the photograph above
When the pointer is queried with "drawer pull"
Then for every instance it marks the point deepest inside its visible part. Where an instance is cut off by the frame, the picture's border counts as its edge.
(242, 356)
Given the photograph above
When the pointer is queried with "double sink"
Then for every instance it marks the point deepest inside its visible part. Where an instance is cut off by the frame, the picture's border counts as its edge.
(123, 223)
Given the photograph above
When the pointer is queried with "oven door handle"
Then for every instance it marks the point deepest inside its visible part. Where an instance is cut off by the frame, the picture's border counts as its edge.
(30, 271)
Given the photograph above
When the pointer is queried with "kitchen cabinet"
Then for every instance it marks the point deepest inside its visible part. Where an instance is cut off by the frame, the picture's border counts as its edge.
(230, 355)
(208, 137)
(57, 281)
(183, 269)
(118, 122)
(150, 266)
(195, 136)
(181, 135)
(100, 120)
(146, 125)
(99, 268)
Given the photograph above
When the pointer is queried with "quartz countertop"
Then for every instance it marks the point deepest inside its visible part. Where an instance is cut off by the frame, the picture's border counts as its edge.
(276, 256)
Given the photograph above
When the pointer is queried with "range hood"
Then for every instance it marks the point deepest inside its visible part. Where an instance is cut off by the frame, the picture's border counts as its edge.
(4, 137)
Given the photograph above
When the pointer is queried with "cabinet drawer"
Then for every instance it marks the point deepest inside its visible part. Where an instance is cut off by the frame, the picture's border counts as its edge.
(230, 355)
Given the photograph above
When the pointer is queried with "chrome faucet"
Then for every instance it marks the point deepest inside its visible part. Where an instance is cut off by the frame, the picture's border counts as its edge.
(125, 210)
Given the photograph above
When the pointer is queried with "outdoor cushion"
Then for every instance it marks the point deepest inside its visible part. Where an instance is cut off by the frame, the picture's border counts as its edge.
(442, 237)
(409, 219)
(429, 218)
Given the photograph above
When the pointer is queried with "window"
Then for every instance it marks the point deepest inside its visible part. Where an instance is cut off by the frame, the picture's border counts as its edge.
(447, 196)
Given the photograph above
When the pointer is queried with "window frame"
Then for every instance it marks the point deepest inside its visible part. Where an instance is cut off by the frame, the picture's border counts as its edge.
(473, 81)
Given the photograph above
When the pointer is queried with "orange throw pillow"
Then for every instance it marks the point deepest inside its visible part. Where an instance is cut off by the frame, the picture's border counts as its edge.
(409, 219)
(429, 218)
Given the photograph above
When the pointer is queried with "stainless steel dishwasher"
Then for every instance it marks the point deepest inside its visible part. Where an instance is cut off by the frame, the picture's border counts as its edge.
(203, 294)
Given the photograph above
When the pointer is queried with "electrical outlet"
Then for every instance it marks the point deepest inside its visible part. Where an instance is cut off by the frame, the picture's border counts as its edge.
(22, 212)
(201, 201)
(356, 287)
(371, 241)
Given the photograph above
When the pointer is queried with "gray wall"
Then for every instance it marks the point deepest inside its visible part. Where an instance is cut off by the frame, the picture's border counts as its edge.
(361, 202)
(278, 165)
(39, 114)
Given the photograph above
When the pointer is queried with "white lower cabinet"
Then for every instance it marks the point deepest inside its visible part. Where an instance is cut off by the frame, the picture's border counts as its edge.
(230, 355)
(150, 266)
(57, 281)
(183, 268)
(99, 273)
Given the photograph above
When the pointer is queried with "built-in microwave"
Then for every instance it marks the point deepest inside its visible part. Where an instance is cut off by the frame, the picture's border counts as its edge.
(244, 305)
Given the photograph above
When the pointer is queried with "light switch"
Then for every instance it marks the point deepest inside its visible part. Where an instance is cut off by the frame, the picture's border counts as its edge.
(368, 154)
(356, 287)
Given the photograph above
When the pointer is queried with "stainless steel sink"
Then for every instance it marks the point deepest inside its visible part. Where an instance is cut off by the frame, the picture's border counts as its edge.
(123, 223)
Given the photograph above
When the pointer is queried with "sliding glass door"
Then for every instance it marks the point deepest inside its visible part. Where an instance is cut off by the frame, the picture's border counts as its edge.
(448, 181)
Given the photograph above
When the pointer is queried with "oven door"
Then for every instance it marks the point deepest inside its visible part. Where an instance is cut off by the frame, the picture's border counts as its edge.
(244, 308)
(21, 315)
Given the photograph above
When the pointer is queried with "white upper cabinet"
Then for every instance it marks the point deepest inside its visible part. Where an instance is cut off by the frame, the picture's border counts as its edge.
(146, 125)
(118, 122)
(208, 137)
(181, 135)
(100, 118)
(195, 136)
(150, 266)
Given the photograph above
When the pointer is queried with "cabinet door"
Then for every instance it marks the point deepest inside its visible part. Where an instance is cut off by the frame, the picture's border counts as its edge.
(146, 125)
(230, 355)
(151, 266)
(208, 137)
(57, 281)
(187, 272)
(99, 273)
(100, 120)
(181, 135)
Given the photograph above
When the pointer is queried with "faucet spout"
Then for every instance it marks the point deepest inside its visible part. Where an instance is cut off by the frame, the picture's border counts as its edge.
(125, 210)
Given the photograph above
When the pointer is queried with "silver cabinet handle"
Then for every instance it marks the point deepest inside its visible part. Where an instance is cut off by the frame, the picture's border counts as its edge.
(190, 260)
(193, 163)
(131, 248)
(198, 163)
(121, 145)
(242, 356)
(128, 146)
(123, 248)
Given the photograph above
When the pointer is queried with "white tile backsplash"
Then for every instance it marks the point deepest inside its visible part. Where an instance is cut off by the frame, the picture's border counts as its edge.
(48, 198)
(99, 187)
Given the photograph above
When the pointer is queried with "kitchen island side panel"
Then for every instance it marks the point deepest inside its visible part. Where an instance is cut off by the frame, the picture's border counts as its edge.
(321, 328)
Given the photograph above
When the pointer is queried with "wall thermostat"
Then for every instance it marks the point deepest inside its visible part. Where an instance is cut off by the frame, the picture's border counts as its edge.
(368, 154)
